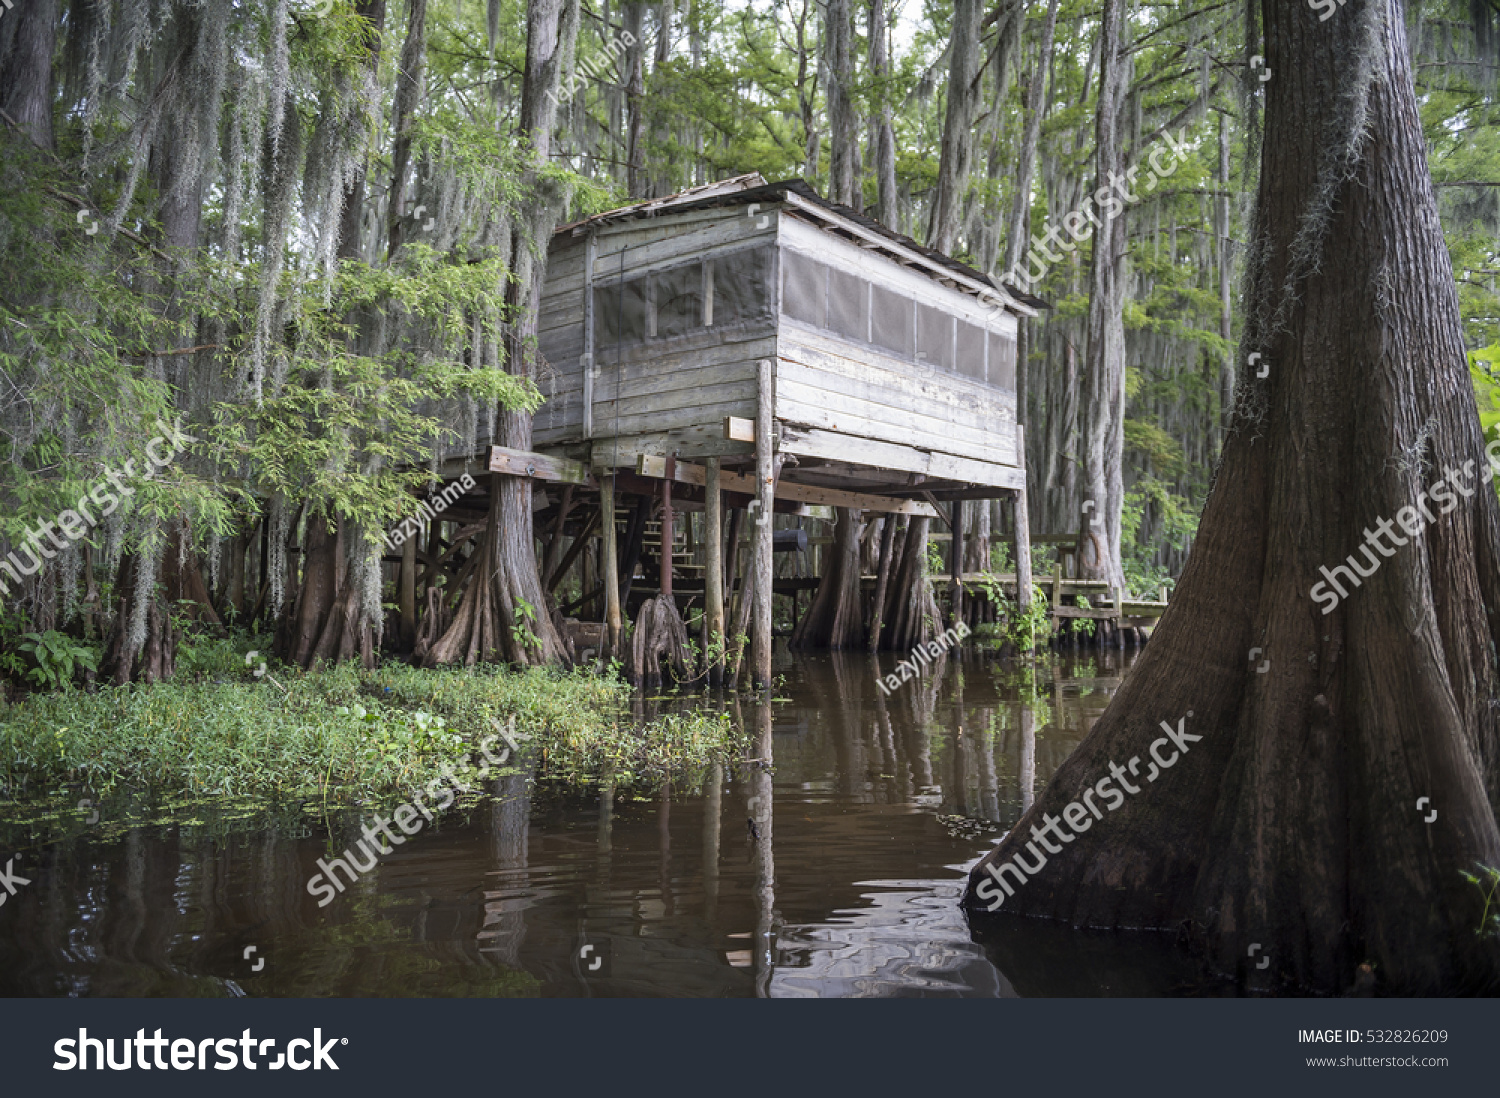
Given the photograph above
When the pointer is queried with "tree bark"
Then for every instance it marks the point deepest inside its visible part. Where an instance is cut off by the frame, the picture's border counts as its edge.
(958, 126)
(409, 81)
(635, 99)
(836, 617)
(503, 612)
(883, 127)
(27, 43)
(1103, 426)
(1036, 108)
(1294, 822)
(843, 119)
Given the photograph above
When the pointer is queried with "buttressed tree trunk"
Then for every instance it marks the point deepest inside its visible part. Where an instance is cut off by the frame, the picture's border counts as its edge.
(503, 614)
(1294, 822)
(836, 617)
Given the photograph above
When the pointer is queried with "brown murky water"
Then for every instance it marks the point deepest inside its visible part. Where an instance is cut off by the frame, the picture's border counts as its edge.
(866, 821)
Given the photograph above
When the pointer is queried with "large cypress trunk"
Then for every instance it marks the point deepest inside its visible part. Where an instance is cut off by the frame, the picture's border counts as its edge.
(503, 612)
(1293, 824)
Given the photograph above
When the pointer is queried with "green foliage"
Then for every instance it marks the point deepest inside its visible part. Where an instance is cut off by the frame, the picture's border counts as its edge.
(55, 659)
(341, 736)
(1488, 883)
(934, 559)
(1175, 520)
(524, 631)
(1484, 371)
(1084, 626)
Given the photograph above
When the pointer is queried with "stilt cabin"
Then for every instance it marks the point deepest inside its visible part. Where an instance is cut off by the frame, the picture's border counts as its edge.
(892, 368)
(749, 348)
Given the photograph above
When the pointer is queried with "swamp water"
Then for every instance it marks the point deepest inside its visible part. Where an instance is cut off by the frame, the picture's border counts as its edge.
(834, 871)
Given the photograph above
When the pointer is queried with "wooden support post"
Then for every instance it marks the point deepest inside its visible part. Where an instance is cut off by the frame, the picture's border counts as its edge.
(1022, 544)
(882, 580)
(590, 253)
(713, 576)
(611, 565)
(1057, 585)
(956, 560)
(407, 598)
(667, 533)
(580, 543)
(765, 493)
(555, 545)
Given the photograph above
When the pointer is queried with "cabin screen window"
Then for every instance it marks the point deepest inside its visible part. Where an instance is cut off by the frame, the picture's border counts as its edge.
(971, 351)
(891, 322)
(1002, 361)
(848, 305)
(679, 301)
(804, 285)
(742, 287)
(671, 303)
(620, 309)
(934, 336)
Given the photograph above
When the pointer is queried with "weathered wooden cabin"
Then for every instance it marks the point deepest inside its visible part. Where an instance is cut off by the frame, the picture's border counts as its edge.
(893, 368)
(747, 339)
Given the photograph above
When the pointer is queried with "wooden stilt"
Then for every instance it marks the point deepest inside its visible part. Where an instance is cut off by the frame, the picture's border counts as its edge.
(882, 580)
(1022, 538)
(713, 579)
(555, 544)
(956, 560)
(668, 535)
(407, 598)
(765, 493)
(611, 563)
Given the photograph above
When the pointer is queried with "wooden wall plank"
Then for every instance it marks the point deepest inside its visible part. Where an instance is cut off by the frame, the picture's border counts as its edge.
(887, 455)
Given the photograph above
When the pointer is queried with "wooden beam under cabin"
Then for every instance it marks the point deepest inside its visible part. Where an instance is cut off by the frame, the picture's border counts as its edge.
(737, 429)
(649, 465)
(525, 463)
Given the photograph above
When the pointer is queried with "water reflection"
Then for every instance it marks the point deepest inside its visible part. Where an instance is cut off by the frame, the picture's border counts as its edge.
(830, 864)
